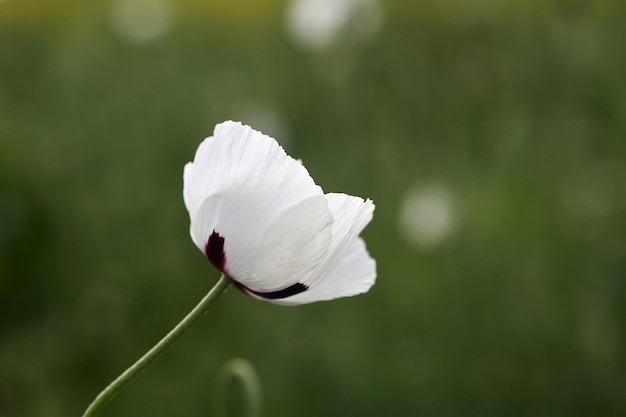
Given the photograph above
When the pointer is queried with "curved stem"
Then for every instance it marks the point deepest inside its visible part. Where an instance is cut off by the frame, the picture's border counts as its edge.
(114, 387)
(243, 371)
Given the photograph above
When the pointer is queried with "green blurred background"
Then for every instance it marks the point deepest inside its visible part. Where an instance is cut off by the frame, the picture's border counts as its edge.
(491, 136)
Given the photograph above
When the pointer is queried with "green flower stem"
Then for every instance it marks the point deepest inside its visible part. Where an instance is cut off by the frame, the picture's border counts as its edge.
(237, 369)
(114, 387)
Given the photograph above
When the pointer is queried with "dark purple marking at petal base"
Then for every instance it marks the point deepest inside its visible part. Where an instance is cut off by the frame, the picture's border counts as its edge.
(294, 289)
(214, 251)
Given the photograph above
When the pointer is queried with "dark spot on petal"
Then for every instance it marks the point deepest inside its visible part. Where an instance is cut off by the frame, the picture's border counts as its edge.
(294, 289)
(214, 251)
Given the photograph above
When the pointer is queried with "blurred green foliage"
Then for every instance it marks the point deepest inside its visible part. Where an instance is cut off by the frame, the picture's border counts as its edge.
(517, 111)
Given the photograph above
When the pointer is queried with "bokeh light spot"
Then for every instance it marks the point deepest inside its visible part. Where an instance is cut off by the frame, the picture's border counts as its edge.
(427, 215)
(315, 24)
(142, 21)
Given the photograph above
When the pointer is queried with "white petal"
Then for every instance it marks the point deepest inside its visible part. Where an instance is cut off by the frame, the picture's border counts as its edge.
(353, 274)
(290, 249)
(311, 280)
(240, 175)
(294, 246)
(237, 156)
(351, 214)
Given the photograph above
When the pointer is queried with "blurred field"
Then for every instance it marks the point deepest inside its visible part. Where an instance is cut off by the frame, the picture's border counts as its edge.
(491, 137)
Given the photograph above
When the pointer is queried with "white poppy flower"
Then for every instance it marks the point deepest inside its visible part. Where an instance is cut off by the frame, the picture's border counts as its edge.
(259, 217)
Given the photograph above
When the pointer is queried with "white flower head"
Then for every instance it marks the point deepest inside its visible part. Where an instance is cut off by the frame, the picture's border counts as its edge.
(259, 217)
